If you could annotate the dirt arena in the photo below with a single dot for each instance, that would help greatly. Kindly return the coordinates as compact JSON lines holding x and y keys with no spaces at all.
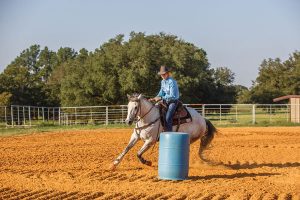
{"x":253,"y":163}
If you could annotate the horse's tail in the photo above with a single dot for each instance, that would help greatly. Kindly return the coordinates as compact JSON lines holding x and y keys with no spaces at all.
{"x":207,"y":138}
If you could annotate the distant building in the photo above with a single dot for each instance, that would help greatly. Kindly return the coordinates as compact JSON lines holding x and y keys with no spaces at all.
{"x":294,"y":102}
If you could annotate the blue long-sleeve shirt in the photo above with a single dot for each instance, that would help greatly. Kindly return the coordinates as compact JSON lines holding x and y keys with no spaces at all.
{"x":169,"y":90}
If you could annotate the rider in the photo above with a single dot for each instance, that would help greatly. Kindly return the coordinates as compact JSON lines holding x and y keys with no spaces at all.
{"x":169,"y":92}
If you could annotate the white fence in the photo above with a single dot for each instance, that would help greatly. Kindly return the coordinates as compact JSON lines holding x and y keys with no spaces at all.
{"x":16,"y":115}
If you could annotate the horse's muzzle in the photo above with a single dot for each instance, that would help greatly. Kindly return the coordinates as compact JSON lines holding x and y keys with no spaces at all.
{"x":128,"y":122}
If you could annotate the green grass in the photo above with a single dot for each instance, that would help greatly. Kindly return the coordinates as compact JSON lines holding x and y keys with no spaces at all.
{"x":245,"y":119}
{"x":257,"y":124}
{"x":46,"y":127}
{"x":53,"y":128}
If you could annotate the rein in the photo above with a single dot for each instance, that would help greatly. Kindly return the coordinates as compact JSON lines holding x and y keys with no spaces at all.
{"x":141,"y":111}
{"x":146,"y":126}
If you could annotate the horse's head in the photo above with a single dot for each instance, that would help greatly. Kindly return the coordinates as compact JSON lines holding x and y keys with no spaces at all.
{"x":134,"y":107}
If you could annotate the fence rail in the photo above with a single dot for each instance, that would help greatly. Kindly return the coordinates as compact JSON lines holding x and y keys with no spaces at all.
{"x":20,"y":116}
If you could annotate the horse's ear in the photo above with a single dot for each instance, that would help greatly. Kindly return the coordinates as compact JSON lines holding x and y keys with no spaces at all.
{"x":140,"y":96}
{"x":128,"y":96}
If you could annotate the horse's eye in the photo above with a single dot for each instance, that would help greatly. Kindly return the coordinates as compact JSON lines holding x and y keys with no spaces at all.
{"x":135,"y":108}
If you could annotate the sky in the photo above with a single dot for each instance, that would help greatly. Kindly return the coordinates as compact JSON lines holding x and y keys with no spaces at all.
{"x":237,"y":34}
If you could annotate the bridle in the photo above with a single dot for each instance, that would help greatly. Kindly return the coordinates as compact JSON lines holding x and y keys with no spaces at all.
{"x":139,"y":110}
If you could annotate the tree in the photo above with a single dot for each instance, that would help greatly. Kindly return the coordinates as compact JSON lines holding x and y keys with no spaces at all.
{"x":29,"y":58}
{"x":62,"y":59}
{"x":47,"y":61}
{"x":5,"y":99}
{"x":17,"y":80}
{"x":225,"y":91}
{"x":275,"y":78}
{"x":242,"y":94}
{"x":292,"y":74}
{"x":26,"y":77}
{"x":65,"y":54}
{"x":74,"y":85}
{"x":223,"y":76}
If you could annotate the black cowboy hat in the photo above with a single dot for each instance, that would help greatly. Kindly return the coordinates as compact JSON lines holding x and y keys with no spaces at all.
{"x":163,"y":70}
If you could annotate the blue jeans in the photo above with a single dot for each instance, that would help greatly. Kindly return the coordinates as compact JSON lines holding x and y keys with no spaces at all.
{"x":169,"y":116}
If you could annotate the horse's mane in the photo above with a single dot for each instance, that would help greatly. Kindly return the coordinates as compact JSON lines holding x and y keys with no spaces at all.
{"x":133,"y":97}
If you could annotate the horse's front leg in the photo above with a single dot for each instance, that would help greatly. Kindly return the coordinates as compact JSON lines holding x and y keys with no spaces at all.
{"x":148,"y":143}
{"x":133,"y":140}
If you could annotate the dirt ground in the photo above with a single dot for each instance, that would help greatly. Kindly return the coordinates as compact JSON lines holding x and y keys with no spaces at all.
{"x":250,"y":163}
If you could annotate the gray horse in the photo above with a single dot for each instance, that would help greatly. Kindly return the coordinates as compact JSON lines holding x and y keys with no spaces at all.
{"x":148,"y":127}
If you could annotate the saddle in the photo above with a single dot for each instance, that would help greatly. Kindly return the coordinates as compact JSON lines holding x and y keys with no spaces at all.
{"x":181,"y":115}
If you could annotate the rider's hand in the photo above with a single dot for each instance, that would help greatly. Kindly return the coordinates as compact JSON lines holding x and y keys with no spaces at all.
{"x":155,"y":99}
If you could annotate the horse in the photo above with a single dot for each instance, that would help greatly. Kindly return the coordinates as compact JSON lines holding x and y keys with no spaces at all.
{"x":148,"y":127}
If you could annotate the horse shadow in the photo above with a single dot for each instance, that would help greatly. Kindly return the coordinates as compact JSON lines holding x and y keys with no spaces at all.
{"x":248,"y":165}
{"x":230,"y":176}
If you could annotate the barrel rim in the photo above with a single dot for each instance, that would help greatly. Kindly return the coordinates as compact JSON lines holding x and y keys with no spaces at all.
{"x":179,"y":133}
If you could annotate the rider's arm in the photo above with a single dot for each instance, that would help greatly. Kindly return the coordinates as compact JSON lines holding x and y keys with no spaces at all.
{"x":161,"y":93}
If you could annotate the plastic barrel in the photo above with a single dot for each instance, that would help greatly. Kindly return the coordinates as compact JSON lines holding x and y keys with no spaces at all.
{"x":173,"y":160}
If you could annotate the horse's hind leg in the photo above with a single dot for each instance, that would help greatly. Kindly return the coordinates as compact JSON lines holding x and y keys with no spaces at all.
{"x":144,"y":148}
{"x":133,"y":140}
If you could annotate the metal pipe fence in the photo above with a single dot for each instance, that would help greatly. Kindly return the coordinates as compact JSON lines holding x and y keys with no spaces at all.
{"x":22,"y":116}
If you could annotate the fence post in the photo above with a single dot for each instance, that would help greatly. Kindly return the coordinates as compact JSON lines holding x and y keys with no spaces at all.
{"x":24,"y":120}
{"x":287,"y":113}
{"x":34,"y":117}
{"x":236,"y":115}
{"x":270,"y":113}
{"x":203,"y":110}
{"x":91,"y":115}
{"x":220,"y":113}
{"x":12,"y":115}
{"x":122,"y":120}
{"x":65,"y":119}
{"x":106,"y":116}
{"x":75,"y":116}
{"x":5,"y":117}
{"x":43,"y":114}
{"x":18,"y":109}
{"x":29,"y":117}
{"x":253,"y":113}
{"x":53,"y":115}
{"x":59,"y":115}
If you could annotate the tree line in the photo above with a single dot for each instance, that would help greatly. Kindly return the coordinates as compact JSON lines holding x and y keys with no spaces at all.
{"x":104,"y":76}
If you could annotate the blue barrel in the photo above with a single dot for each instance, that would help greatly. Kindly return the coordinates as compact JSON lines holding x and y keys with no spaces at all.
{"x":173,"y":159}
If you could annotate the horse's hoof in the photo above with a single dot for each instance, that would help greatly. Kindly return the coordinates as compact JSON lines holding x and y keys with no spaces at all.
{"x":149,"y":163}
{"x":112,"y":167}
